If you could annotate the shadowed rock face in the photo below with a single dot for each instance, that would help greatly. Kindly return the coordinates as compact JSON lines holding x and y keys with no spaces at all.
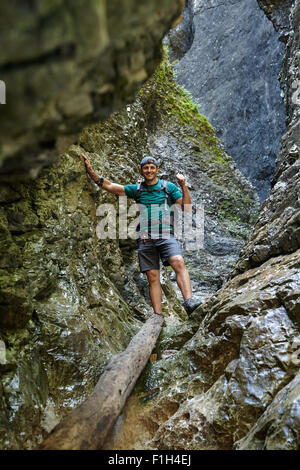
{"x":66,"y":64}
{"x":231,"y":69}
{"x":278,"y":12}
{"x":277,"y":230}
{"x":180,"y":38}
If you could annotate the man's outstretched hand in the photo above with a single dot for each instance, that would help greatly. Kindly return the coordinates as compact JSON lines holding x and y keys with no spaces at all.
{"x":86,"y":161}
{"x":89,"y":170}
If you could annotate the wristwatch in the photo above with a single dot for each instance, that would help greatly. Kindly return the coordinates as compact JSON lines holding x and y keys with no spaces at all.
{"x":100,"y":182}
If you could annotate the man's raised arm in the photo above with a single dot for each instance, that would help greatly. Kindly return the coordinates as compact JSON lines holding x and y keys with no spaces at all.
{"x":185,"y":201}
{"x":114,"y":188}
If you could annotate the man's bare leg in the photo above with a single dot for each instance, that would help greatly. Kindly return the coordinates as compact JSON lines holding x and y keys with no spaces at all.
{"x":184,"y":283}
{"x":182,"y":275}
{"x":155,"y":289}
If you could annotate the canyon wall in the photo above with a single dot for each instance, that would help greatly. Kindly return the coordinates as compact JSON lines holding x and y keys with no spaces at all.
{"x":231,"y":69}
{"x":228,"y":376}
{"x":235,"y":383}
{"x":71,"y":299}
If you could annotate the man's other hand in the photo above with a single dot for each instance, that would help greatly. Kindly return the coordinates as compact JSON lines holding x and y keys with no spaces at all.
{"x":180,"y":179}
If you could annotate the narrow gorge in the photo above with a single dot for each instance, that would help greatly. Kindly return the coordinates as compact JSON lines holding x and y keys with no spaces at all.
{"x":211,"y":90}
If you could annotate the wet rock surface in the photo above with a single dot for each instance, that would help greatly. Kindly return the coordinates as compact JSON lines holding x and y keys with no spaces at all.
{"x":278,"y":11}
{"x":235,"y":383}
{"x":251,"y":358}
{"x":213,"y":390}
{"x":278,"y":427}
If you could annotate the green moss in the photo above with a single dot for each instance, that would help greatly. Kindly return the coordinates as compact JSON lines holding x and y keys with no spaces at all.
{"x":175,"y":102}
{"x":239,"y":231}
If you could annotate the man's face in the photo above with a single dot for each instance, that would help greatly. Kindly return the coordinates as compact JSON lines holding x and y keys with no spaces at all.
{"x":149,"y":172}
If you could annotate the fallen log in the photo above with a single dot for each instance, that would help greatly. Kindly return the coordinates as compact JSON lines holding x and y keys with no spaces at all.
{"x":87,"y":426}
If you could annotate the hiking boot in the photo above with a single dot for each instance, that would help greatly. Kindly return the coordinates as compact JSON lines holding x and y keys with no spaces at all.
{"x":190,"y":305}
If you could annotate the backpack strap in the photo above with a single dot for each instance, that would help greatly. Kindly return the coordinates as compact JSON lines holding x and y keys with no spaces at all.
{"x":168,"y":201}
{"x":139,"y":190}
{"x":164,"y":186}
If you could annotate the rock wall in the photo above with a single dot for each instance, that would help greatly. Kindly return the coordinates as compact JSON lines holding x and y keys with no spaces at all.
{"x":277,"y":229}
{"x":61,"y":314}
{"x":70,"y":300}
{"x":232,"y":70}
{"x":278,"y":11}
{"x":235,"y":383}
{"x":180,"y":38}
{"x":66,"y":64}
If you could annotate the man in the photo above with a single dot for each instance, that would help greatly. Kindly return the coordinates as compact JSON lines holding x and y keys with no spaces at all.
{"x":156,"y":238}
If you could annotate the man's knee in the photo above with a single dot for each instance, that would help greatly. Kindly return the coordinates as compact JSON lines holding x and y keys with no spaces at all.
{"x":177,"y":262}
{"x":153,"y":275}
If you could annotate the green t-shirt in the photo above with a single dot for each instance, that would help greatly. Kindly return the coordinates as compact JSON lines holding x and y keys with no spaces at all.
{"x":153,"y":205}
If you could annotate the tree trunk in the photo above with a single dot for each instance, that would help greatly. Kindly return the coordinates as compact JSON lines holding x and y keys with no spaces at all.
{"x":87,"y":426}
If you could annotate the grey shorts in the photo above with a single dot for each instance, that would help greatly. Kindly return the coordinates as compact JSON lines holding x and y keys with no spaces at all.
{"x":153,"y":249}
